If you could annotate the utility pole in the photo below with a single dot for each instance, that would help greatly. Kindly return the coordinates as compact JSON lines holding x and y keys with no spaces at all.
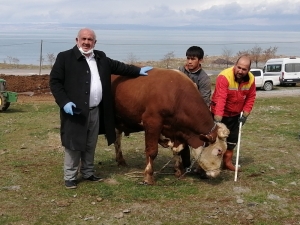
{"x":41,"y":56}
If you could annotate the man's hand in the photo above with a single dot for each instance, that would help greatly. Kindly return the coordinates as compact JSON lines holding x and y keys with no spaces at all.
{"x":145,"y":69}
{"x":68,"y":108}
{"x":218,"y":119}
{"x":242,"y":120}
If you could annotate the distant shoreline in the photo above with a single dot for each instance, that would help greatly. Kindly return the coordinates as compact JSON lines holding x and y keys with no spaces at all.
{"x":26,"y":46}
{"x":30,"y":72}
{"x":208,"y":65}
{"x":27,"y":70}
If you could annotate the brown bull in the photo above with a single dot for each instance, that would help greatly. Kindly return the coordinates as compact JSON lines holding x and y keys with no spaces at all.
{"x":166,"y":102}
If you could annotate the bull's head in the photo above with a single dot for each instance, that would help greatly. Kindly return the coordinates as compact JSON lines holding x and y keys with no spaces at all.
{"x":210,"y":158}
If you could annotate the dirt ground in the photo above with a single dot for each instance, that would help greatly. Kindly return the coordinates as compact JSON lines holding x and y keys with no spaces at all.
{"x":29,"y":88}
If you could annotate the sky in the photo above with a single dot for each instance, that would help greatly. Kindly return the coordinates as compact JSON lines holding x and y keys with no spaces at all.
{"x":161,"y":13}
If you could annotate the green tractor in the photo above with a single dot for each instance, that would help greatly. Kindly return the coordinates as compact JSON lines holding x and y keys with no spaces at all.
{"x":6,"y":97}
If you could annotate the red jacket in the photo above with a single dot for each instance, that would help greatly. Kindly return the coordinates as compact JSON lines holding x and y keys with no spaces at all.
{"x":230,"y":98}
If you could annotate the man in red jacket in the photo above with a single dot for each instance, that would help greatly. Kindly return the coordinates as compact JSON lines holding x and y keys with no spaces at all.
{"x":234,"y":93}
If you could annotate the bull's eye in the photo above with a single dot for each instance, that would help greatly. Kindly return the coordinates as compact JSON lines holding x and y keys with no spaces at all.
{"x":220,"y":151}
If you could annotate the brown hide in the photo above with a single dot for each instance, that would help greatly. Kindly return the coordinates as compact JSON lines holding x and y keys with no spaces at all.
{"x":164,"y":102}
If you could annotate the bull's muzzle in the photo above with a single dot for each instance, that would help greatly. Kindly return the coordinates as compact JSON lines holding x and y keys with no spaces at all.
{"x":213,"y":173}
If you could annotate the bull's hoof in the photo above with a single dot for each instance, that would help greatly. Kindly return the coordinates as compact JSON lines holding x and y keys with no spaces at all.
{"x":145,"y":183}
{"x":178,"y":173}
{"x":148,"y":177}
{"x":122,"y":163}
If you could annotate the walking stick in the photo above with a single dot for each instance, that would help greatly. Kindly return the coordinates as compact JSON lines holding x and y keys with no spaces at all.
{"x":238,"y":149}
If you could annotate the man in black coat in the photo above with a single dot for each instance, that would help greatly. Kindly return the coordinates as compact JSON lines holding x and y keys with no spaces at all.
{"x":80,"y":82}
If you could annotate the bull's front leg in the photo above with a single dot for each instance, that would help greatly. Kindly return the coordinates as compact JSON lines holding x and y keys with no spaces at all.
{"x":119,"y":155}
{"x":151,"y":153}
{"x":152,"y":134}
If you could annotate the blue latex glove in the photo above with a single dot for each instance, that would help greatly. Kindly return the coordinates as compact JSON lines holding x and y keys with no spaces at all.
{"x":145,"y":69}
{"x":68,"y":108}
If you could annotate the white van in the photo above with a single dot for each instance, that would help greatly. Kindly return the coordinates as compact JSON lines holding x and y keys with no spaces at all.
{"x":287,"y":69}
{"x":264,"y":82}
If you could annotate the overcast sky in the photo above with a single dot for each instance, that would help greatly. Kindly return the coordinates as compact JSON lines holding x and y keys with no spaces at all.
{"x":153,"y":12}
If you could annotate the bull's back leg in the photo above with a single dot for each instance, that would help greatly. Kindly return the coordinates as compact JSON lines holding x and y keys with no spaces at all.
{"x":181,"y":153}
{"x":118,"y":150}
{"x":178,"y":168}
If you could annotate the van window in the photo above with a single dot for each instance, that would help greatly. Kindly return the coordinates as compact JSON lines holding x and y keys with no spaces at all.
{"x":256,"y":73}
{"x":273,"y":68}
{"x":292,"y":67}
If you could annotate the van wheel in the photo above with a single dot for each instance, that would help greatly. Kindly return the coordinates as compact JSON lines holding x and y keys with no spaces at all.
{"x":268,"y":86}
{"x":293,"y":84}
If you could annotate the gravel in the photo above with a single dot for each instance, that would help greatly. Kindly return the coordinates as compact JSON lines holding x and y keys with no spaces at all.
{"x":279,"y":92}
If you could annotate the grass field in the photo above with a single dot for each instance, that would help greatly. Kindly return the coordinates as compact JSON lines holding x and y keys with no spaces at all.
{"x":32,"y":189}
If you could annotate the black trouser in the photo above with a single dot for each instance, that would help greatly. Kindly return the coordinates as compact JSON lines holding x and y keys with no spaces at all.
{"x":232,"y":124}
{"x":185,"y":156}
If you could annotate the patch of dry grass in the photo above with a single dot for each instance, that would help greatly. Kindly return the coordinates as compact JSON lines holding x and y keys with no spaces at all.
{"x":32,"y":189}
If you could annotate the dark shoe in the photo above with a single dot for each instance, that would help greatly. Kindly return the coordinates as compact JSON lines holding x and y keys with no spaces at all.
{"x":70,"y":184}
{"x":94,"y":178}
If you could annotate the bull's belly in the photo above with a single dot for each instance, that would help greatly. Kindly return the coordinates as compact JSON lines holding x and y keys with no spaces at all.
{"x":129,"y":125}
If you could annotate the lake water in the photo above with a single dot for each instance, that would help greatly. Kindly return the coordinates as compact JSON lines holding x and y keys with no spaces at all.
{"x":144,"y":45}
